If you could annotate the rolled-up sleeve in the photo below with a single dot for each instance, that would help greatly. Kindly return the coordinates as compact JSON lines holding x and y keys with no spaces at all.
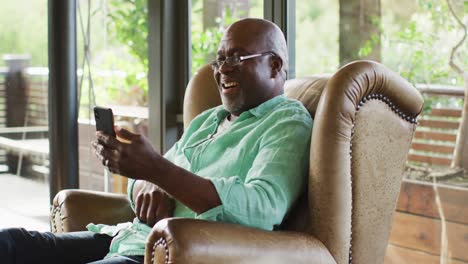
{"x":273,"y":182}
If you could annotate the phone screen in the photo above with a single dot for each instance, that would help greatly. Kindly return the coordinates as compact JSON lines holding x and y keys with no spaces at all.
{"x":104,"y":120}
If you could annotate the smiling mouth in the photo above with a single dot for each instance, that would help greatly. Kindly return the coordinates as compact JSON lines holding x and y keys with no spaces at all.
{"x":230,"y":85}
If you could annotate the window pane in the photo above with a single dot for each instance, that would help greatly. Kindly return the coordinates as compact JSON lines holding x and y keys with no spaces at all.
{"x":209,"y":20}
{"x":418,"y":37}
{"x":112,"y":73}
{"x":24,"y":189}
{"x":316,"y":37}
{"x":417,"y":40}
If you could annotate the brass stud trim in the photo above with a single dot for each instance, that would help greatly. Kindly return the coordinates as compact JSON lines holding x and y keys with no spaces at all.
{"x":386,"y":100}
{"x":161,"y":242}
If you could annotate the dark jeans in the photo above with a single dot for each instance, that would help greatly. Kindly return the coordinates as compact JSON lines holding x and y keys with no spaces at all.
{"x":20,"y":246}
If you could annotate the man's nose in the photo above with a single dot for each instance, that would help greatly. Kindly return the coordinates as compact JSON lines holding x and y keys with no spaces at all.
{"x":225,"y":68}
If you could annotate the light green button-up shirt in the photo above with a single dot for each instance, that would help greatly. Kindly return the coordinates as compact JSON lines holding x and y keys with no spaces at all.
{"x":258,"y":166}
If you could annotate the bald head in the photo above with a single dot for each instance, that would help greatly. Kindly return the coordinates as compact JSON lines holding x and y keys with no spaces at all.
{"x":251,"y":64}
{"x":265,"y":35}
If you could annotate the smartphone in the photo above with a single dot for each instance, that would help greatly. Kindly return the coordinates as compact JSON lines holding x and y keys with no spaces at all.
{"x":104,"y":120}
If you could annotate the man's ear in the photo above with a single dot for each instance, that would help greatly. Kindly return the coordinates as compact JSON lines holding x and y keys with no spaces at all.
{"x":276,"y":65}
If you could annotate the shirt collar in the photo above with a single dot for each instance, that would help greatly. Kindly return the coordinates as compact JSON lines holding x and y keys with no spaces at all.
{"x":267,"y":106}
{"x":257,"y":111}
{"x":221,"y":113}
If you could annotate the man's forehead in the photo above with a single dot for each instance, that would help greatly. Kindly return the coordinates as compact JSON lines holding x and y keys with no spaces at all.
{"x":230,"y":39}
{"x":231,"y":49}
{"x":229,"y":44}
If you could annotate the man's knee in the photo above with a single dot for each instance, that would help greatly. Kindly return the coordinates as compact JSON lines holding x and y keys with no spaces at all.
{"x":8,"y":244}
{"x":18,"y":245}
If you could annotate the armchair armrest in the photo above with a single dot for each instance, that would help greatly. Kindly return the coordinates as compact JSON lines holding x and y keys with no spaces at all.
{"x":180,"y":240}
{"x":72,"y":210}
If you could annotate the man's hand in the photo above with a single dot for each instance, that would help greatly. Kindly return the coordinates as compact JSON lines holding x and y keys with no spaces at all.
{"x":151,"y":203}
{"x":137,"y":159}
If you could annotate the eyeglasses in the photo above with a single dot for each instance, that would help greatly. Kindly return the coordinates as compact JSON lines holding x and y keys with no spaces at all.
{"x":236,"y":60}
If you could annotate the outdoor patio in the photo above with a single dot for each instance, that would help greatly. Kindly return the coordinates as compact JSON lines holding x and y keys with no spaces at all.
{"x":24,"y":203}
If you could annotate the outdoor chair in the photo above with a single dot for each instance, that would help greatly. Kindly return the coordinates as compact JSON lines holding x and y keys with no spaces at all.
{"x":364,"y":119}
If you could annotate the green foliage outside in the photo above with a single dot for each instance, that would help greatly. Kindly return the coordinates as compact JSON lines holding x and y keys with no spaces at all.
{"x":418,"y":45}
{"x":130,"y":20}
{"x":417,"y":37}
{"x":317,"y":27}
{"x":23,"y":30}
{"x":128,"y":23}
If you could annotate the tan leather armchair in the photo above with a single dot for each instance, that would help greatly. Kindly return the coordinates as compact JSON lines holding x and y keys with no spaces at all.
{"x":364,"y":119}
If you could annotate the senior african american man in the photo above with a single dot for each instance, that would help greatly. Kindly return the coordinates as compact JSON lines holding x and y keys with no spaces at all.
{"x":244,"y":162}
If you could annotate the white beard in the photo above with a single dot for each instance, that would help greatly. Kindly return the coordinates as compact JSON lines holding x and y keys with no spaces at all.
{"x":234,"y":106}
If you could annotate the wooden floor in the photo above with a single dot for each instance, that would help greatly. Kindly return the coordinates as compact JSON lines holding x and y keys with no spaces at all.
{"x":24,"y":203}
{"x":423,"y":231}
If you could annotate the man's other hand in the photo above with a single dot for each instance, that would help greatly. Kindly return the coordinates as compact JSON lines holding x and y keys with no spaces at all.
{"x":151,"y":203}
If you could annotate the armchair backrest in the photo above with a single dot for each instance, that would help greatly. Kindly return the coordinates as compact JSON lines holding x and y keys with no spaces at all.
{"x":364,"y":120}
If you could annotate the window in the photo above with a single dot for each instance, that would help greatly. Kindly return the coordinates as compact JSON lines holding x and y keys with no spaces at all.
{"x":24,"y":189}
{"x":209,"y":20}
{"x":316,"y":37}
{"x":111,"y":73}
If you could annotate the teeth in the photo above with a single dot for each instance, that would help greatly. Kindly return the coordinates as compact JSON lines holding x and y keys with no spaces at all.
{"x":230,"y":84}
